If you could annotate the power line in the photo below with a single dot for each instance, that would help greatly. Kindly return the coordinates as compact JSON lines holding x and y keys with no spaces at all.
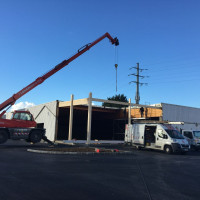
{"x":174,"y":81}
{"x":177,"y":67}
{"x":171,"y":61}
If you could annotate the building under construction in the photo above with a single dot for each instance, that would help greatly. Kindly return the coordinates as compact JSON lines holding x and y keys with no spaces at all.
{"x":80,"y":120}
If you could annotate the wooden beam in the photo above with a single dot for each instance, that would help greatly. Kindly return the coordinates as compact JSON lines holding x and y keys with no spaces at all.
{"x":75,"y":102}
{"x":85,"y":102}
{"x":56,"y":125}
{"x":145,"y":106}
{"x":89,"y":118}
{"x":129,"y":112}
{"x":71,"y":118}
{"x":109,"y":101}
{"x":124,"y":103}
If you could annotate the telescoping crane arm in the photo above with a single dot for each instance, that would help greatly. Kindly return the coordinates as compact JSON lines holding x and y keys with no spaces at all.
{"x":9,"y":102}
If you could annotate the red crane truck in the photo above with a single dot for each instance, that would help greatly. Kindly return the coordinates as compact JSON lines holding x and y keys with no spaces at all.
{"x":22,"y":124}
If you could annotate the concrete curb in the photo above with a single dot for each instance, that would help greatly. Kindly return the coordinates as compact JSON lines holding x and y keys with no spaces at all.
{"x":78,"y":153}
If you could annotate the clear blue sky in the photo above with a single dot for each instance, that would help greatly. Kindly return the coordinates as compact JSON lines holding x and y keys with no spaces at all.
{"x":162,"y":35}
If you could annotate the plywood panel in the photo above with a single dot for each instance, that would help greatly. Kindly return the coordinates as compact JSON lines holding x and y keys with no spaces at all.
{"x":148,"y":112}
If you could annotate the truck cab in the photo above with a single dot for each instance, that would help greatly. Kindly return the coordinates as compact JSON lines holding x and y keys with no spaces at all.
{"x":156,"y":136}
{"x":21,"y":126}
{"x":22,"y":119}
{"x":193,"y":138}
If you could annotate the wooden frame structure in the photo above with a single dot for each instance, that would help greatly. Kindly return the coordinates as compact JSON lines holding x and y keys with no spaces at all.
{"x":88,"y":101}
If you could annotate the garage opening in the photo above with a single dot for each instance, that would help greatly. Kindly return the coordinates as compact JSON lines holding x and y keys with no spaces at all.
{"x":104,"y":123}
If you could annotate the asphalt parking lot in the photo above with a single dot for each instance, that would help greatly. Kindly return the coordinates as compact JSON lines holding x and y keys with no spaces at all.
{"x":141,"y":175}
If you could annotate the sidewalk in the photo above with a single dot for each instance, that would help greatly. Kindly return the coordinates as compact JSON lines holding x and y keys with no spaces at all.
{"x":91,"y":142}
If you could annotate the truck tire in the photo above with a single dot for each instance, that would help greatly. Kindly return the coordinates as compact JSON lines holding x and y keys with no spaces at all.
{"x":3,"y":136}
{"x":168,"y":149}
{"x":193,"y":148}
{"x":196,"y":149}
{"x":35,"y":136}
{"x":138,"y":147}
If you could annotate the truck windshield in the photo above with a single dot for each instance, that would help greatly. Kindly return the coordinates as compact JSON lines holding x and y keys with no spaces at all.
{"x":22,"y":116}
{"x":174,"y":134}
{"x":196,"y":134}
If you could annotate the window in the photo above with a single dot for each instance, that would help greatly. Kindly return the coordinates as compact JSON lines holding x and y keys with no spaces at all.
{"x":188,"y":134}
{"x":16,"y":116}
{"x":160,"y":133}
{"x":23,"y":116}
{"x":174,"y":134}
{"x":196,"y":134}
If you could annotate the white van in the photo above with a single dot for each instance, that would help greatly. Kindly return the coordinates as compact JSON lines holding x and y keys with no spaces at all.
{"x":156,"y":136}
{"x":193,"y":138}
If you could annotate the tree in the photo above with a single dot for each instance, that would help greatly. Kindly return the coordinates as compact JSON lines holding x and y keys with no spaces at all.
{"x":119,"y":97}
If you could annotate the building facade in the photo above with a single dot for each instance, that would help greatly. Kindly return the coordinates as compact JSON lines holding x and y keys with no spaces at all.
{"x":106,"y":123}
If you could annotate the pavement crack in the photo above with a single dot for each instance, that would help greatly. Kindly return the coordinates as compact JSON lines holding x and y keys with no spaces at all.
{"x":143,"y":179}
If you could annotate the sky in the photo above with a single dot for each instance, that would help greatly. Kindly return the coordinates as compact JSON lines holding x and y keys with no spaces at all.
{"x":161,"y":35}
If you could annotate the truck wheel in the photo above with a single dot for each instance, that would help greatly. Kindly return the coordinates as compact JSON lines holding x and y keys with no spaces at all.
{"x":168,"y":149}
{"x":193,"y":148}
{"x":138,"y":147}
{"x":28,"y":140}
{"x":35,"y":136}
{"x":3,"y":136}
{"x":196,"y":149}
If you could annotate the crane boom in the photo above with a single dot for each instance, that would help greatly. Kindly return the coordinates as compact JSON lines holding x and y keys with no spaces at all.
{"x":10,"y":101}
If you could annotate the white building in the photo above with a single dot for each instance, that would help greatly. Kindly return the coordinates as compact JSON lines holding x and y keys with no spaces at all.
{"x":176,"y":113}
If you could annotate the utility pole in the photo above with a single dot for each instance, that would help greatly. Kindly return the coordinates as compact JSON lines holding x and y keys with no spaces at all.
{"x":137,"y":95}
